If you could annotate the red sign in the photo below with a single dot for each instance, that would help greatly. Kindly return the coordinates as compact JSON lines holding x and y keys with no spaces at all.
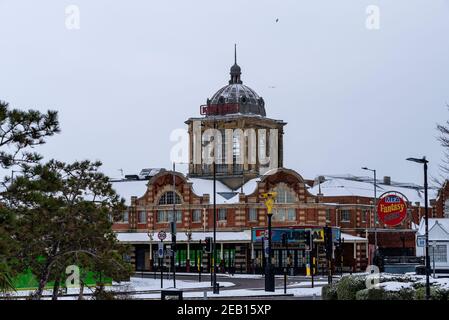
{"x":391,"y":209}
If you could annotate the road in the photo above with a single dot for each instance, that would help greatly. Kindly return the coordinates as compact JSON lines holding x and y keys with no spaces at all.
{"x":242,"y":282}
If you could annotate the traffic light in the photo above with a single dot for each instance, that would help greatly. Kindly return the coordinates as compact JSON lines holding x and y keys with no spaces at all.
{"x":284,"y":239}
{"x":208,"y":245}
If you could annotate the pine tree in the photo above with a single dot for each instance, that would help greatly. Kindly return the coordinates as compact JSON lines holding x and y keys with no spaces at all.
{"x":65,"y":215}
{"x":20,"y":132}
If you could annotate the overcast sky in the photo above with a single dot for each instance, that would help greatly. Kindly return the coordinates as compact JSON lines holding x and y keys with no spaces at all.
{"x":136,"y":70}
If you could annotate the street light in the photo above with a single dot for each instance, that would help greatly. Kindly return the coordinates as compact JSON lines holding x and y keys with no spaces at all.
{"x":188,"y":233}
{"x":150,"y":236}
{"x":375,"y":208}
{"x":424,"y":162}
{"x":269,"y":274}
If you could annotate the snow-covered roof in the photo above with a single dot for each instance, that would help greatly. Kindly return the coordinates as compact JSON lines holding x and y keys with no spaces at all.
{"x":128,"y":188}
{"x":222,"y":236}
{"x":347,"y":185}
{"x":438,"y":228}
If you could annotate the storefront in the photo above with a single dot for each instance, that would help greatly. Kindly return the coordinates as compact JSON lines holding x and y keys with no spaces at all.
{"x":294,"y":253}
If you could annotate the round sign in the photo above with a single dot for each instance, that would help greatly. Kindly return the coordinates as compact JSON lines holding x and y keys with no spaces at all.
{"x":162,"y":235}
{"x":391,"y":209}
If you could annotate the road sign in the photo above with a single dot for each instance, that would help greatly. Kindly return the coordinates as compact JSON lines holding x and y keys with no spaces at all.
{"x":421,"y":241}
{"x":162,"y":235}
{"x":392,"y":209}
{"x":160,"y":250}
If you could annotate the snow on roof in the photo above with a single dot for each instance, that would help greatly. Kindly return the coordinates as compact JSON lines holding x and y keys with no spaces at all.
{"x":223,"y":236}
{"x":129,"y":188}
{"x":436,"y":235}
{"x":348,"y":185}
{"x":225,"y":195}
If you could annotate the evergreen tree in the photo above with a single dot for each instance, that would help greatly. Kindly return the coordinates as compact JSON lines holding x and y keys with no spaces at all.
{"x":20,"y":132}
{"x":65,"y":214}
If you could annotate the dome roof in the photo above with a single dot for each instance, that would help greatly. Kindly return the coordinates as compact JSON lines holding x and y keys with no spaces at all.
{"x":235,"y":97}
{"x":236,"y":93}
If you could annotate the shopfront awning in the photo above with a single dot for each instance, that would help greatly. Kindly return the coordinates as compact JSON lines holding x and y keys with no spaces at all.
{"x":348,"y":238}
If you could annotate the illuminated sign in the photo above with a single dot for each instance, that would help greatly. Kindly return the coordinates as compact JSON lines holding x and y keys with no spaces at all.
{"x":391,"y":209}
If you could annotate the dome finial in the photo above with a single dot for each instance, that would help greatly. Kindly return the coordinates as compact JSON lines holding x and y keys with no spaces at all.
{"x":235,"y":69}
{"x":235,"y":53}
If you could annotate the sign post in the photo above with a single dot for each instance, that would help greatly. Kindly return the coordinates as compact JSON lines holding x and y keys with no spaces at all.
{"x":160,"y":252}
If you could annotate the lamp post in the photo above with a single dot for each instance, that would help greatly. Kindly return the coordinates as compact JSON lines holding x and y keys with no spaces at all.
{"x":150,"y":236}
{"x":424,"y":162}
{"x":189,"y":238}
{"x":214,"y":244}
{"x":269,"y":274}
{"x":375,"y":208}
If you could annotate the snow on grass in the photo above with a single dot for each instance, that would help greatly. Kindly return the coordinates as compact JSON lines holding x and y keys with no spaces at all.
{"x":145,"y":284}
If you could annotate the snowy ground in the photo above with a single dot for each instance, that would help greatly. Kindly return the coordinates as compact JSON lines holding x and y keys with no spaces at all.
{"x":135,"y":284}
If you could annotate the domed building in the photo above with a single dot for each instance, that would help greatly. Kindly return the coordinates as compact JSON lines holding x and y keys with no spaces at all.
{"x":235,"y":142}
{"x":250,"y":143}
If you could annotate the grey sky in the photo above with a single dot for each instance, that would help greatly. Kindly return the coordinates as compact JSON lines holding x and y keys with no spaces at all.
{"x":136,"y":70}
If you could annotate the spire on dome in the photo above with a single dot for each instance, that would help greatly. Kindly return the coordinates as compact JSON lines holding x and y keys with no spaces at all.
{"x":235,"y":69}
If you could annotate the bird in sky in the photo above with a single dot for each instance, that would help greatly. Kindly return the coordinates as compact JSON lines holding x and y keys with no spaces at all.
{"x":277,"y":19}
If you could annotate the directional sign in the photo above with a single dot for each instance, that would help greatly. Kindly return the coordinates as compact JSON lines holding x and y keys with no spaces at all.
{"x":162,"y":235}
{"x":160,"y":250}
{"x":421,"y":241}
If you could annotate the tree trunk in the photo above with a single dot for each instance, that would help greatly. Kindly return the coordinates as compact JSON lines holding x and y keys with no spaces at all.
{"x":42,"y":282}
{"x":81,"y":294}
{"x":56,"y":288}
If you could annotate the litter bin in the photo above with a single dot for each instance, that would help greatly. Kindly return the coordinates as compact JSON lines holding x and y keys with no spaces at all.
{"x":216,"y":288}
{"x":420,"y":270}
{"x":171,"y":294}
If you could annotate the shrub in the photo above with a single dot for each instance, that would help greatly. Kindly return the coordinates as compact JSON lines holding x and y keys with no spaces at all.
{"x":371,"y":294}
{"x":403,"y":294}
{"x":435,"y":293}
{"x":348,"y":286}
{"x":329,"y":292}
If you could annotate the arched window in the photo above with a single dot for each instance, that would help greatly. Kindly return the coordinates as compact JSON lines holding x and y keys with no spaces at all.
{"x":284,"y":194}
{"x":168,"y":198}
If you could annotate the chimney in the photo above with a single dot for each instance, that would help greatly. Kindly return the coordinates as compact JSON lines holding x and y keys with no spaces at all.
{"x":387,"y":180}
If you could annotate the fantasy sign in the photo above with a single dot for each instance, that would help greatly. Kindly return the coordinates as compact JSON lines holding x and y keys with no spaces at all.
{"x":392,"y":208}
